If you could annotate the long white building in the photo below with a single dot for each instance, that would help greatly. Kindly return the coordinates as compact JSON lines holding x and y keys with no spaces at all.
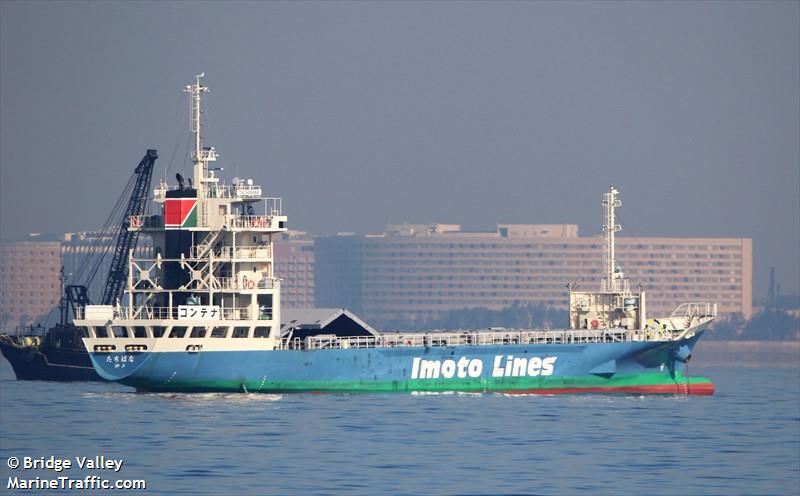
{"x":414,"y":272}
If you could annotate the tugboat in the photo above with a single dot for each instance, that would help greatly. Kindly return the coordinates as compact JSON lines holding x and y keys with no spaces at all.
{"x":204,"y":315}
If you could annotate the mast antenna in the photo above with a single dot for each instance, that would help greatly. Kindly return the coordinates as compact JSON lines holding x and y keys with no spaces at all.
{"x":62,"y":302}
{"x":195,"y":90}
{"x":611,"y":202}
{"x":202,"y":156}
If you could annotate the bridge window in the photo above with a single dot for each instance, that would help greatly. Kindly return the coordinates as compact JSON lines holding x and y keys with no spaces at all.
{"x":219,"y":332}
{"x":139,"y":332}
{"x":158,"y":331}
{"x":101,"y":332}
{"x":119,"y":331}
{"x":240,"y":332}
{"x":264,"y":307}
{"x":261,"y":332}
{"x":177,"y":332}
{"x":198,"y":332}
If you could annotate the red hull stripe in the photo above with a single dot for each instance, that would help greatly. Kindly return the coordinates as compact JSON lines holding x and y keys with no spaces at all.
{"x":701,"y":389}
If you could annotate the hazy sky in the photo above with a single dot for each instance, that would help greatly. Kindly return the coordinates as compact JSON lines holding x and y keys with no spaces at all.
{"x":361,"y":114}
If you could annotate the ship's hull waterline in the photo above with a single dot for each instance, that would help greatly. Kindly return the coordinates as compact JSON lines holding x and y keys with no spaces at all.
{"x":626,"y":368}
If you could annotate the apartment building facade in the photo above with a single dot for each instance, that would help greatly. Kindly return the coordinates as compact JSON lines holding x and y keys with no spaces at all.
{"x":29,"y":281}
{"x":415,"y":272}
{"x":294,"y":264}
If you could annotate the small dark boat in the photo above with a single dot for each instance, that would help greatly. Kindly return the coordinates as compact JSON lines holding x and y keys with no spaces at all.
{"x":58,"y":355}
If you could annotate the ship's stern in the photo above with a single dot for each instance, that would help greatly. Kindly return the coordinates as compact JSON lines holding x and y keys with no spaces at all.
{"x":115,"y":361}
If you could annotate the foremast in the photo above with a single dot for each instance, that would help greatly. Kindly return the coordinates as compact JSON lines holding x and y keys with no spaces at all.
{"x":613,"y":274}
{"x":614,"y":306}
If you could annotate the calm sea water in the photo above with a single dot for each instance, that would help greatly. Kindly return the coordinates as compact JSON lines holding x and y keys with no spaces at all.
{"x":743,"y":440}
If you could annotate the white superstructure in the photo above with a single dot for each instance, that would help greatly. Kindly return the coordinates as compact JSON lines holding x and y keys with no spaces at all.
{"x":212,"y":272}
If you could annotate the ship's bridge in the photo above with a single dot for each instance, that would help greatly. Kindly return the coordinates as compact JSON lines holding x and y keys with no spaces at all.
{"x":236,"y":207}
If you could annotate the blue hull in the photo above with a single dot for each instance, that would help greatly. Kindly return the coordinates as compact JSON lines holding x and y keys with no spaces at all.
{"x":597,"y":367}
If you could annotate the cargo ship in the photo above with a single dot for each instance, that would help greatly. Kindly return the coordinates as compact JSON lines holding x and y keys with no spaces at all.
{"x":203,"y":314}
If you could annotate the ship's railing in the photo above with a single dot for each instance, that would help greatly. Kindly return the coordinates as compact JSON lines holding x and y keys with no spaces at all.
{"x":238,"y":191}
{"x":22,"y":339}
{"x":207,"y":155}
{"x":272,"y":206}
{"x":160,"y":191}
{"x":29,"y":331}
{"x":241,"y":191}
{"x":266,"y":283}
{"x":242,"y":313}
{"x":248,"y":221}
{"x":689,"y":310}
{"x":136,"y":222}
{"x":228,"y":252}
{"x":166,"y":313}
{"x":467,"y":338}
{"x":243,"y":283}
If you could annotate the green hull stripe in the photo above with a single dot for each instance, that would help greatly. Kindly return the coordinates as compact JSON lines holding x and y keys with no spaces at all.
{"x":466,"y":385}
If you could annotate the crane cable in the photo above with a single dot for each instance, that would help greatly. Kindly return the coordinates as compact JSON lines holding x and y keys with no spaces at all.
{"x":100,"y":248}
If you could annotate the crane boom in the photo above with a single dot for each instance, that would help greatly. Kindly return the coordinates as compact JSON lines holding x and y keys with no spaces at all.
{"x":127,"y":238}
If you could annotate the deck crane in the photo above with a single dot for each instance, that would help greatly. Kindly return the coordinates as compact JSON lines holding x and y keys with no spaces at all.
{"x":59,"y":354}
{"x":126,"y":241}
{"x":77,"y":294}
